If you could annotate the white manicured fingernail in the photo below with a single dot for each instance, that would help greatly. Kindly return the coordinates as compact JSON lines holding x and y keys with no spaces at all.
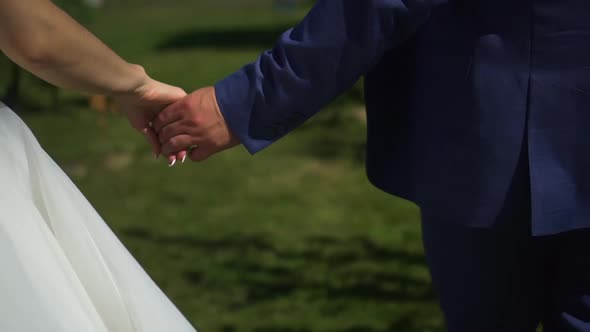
{"x":172,"y":163}
{"x":183,"y":159}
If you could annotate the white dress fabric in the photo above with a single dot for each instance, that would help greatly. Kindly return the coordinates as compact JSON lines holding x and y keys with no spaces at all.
{"x":61,"y":268}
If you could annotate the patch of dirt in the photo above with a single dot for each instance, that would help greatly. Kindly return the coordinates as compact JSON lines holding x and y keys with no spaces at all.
{"x":78,"y":170}
{"x":118,"y":161}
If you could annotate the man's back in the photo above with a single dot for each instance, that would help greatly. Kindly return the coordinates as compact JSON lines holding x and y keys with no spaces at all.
{"x":481,"y":82}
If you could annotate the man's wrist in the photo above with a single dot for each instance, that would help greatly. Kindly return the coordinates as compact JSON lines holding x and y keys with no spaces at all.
{"x":233,"y":97}
{"x":233,"y":140}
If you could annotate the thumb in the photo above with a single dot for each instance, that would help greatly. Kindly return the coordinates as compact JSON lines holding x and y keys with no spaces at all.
{"x":167,"y":94}
{"x":161,"y":96}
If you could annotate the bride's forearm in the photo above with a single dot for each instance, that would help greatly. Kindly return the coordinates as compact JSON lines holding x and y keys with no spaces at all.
{"x":46,"y":41}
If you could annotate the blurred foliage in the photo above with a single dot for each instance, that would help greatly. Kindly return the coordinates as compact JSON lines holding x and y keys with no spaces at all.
{"x":77,"y":9}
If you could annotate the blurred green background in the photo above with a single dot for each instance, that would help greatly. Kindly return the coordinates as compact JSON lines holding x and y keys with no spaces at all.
{"x":294,"y":239}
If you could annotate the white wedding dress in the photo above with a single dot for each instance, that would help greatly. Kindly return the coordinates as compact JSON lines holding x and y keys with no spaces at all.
{"x":61,"y":268}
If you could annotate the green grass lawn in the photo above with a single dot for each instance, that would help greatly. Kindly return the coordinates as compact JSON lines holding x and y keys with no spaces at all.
{"x":292,"y":239}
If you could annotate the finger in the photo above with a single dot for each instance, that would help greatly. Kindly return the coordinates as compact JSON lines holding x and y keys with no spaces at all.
{"x":150,"y":115}
{"x":168,"y":115}
{"x":182,"y":156}
{"x":171,"y":160}
{"x":179,"y":157}
{"x":171,"y":130}
{"x":152,"y":138}
{"x":177,"y":144}
{"x":200,"y":153}
{"x":168,"y":92}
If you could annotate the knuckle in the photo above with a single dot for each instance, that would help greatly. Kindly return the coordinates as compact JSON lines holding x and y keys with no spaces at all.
{"x":164,"y":133}
{"x":158,"y":123}
{"x":160,"y":117}
{"x":186,"y":104}
{"x":165,"y":115}
{"x":191,"y":121}
{"x":175,"y":142}
{"x":197,"y":118}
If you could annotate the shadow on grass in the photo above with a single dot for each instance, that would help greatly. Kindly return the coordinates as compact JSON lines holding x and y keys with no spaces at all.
{"x":256,"y":38}
{"x":347,"y":271}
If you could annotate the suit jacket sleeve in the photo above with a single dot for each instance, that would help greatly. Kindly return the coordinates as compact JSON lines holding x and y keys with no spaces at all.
{"x":313,"y":63}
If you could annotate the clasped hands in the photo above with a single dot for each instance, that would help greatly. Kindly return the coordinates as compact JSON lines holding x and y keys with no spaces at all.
{"x":178,"y":125}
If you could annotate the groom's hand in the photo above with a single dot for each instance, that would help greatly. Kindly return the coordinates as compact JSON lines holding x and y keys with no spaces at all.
{"x":142,"y":105}
{"x":196,"y":123}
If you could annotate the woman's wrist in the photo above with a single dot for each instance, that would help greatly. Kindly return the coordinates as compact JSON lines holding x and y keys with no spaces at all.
{"x":136,"y":79}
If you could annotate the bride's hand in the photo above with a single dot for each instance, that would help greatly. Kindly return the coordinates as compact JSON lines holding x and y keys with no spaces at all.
{"x":143,"y":104}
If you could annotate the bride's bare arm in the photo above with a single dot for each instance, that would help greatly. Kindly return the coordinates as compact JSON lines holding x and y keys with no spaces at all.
{"x":43,"y":39}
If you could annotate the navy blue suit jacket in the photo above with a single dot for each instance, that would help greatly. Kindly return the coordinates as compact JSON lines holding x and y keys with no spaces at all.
{"x":454,"y":89}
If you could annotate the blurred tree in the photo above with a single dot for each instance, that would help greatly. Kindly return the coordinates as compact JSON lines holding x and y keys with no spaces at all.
{"x":285,"y":5}
{"x":82,"y":11}
{"x":94,"y":3}
{"x":12,"y":93}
